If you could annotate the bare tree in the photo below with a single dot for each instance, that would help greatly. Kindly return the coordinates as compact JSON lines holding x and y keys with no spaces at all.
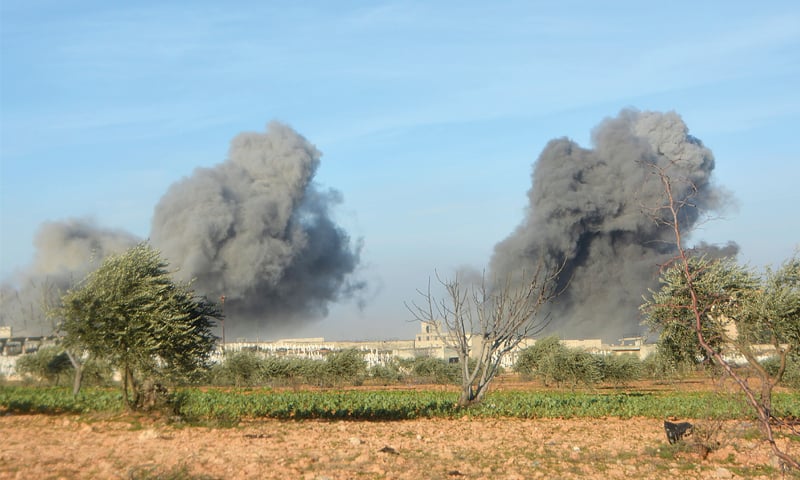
{"x":701,"y":310}
{"x":483,"y":323}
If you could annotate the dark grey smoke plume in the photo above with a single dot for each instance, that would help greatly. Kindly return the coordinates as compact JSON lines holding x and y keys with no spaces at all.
{"x":65,"y":252}
{"x":591,"y":209}
{"x":256,"y":229}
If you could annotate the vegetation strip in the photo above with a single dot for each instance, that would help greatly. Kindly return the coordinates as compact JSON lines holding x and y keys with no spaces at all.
{"x":228,"y":405}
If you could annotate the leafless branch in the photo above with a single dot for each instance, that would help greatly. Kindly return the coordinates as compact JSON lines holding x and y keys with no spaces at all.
{"x":483,"y":323}
{"x":669,"y":214}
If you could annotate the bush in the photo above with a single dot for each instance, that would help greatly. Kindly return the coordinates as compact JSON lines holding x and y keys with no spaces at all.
{"x":276,"y":369}
{"x":434,"y":370}
{"x":387,"y":374}
{"x":552,"y":362}
{"x":345,"y":367}
{"x":97,"y":372}
{"x":620,"y":369}
{"x":536,"y":360}
{"x":239,"y":369}
{"x":657,"y":365}
{"x":249,"y":369}
{"x":575,"y":367}
{"x":48,"y":364}
{"x":791,"y":376}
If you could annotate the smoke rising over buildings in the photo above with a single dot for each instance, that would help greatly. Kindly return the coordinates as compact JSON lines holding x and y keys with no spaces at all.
{"x":592,"y":210}
{"x":255,"y":228}
{"x":65,"y":252}
{"x":258,"y":230}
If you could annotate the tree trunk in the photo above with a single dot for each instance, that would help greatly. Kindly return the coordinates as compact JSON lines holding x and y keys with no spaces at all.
{"x":766,"y":396}
{"x":467,"y":397}
{"x":76,"y":381}
{"x":127,"y":384}
{"x":136,"y":391}
{"x":480,"y":393}
{"x":78,"y":377}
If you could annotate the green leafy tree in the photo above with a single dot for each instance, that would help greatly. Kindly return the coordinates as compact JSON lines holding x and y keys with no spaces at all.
{"x":240,"y":369}
{"x":791,"y":369}
{"x":738,"y":310}
{"x":771,"y":314}
{"x":346,"y":367}
{"x":48,"y":364}
{"x":552,"y":362}
{"x":620,"y":369}
{"x":540,"y":360}
{"x":766,"y":311}
{"x":436,"y":370}
{"x":387,"y":374}
{"x":131,"y":313}
{"x":722,"y":288}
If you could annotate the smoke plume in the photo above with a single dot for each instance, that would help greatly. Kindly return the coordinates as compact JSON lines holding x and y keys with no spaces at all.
{"x":65,"y":252}
{"x":594,"y":210}
{"x":258,"y":230}
{"x":255,"y":228}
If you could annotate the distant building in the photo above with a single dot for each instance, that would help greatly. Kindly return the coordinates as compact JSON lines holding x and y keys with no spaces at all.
{"x":428,"y":342}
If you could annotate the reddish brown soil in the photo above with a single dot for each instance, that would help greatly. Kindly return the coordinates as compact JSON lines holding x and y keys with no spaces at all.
{"x":55,"y":447}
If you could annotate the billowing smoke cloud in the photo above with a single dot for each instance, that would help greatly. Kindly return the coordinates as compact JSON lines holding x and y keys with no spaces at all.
{"x":592,"y":210}
{"x":65,"y":252}
{"x":254,"y":228}
{"x":257,"y":230}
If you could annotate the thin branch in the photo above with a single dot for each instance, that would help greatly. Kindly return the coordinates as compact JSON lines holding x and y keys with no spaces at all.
{"x":673,"y":207}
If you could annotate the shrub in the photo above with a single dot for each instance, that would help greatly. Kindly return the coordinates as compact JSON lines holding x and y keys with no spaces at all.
{"x":48,"y":364}
{"x":536,"y":360}
{"x":276,"y":369}
{"x":307,"y":371}
{"x":620,"y":369}
{"x":248,"y":369}
{"x":387,"y":374}
{"x":552,"y":362}
{"x":575,"y":367}
{"x":435,"y":370}
{"x":240,"y":369}
{"x":657,"y":365}
{"x":791,"y":376}
{"x":345,"y":367}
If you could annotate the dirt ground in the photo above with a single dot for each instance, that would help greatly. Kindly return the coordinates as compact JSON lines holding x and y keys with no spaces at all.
{"x":69,"y":447}
{"x":143,"y":447}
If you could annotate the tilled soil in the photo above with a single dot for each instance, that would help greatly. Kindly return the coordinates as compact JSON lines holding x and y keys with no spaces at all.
{"x":69,"y":447}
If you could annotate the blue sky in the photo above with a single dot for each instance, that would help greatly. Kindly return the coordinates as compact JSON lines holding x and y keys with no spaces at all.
{"x":429,"y":114}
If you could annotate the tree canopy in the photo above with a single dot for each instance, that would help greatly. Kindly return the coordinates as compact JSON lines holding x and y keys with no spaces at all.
{"x":131,"y":313}
{"x":722,"y":288}
{"x":740,"y":308}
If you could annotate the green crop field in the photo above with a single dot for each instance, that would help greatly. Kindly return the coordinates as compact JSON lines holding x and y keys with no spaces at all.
{"x":217,"y":404}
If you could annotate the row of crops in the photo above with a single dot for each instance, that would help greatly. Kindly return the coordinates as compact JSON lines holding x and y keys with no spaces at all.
{"x":230,"y":405}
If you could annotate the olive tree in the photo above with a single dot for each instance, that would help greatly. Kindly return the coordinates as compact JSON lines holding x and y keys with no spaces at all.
{"x":131,"y":313}
{"x":707,"y":297}
{"x":554,"y":362}
{"x":47,"y":364}
{"x":483,"y":323}
{"x":722,"y":288}
{"x":772,"y":315}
